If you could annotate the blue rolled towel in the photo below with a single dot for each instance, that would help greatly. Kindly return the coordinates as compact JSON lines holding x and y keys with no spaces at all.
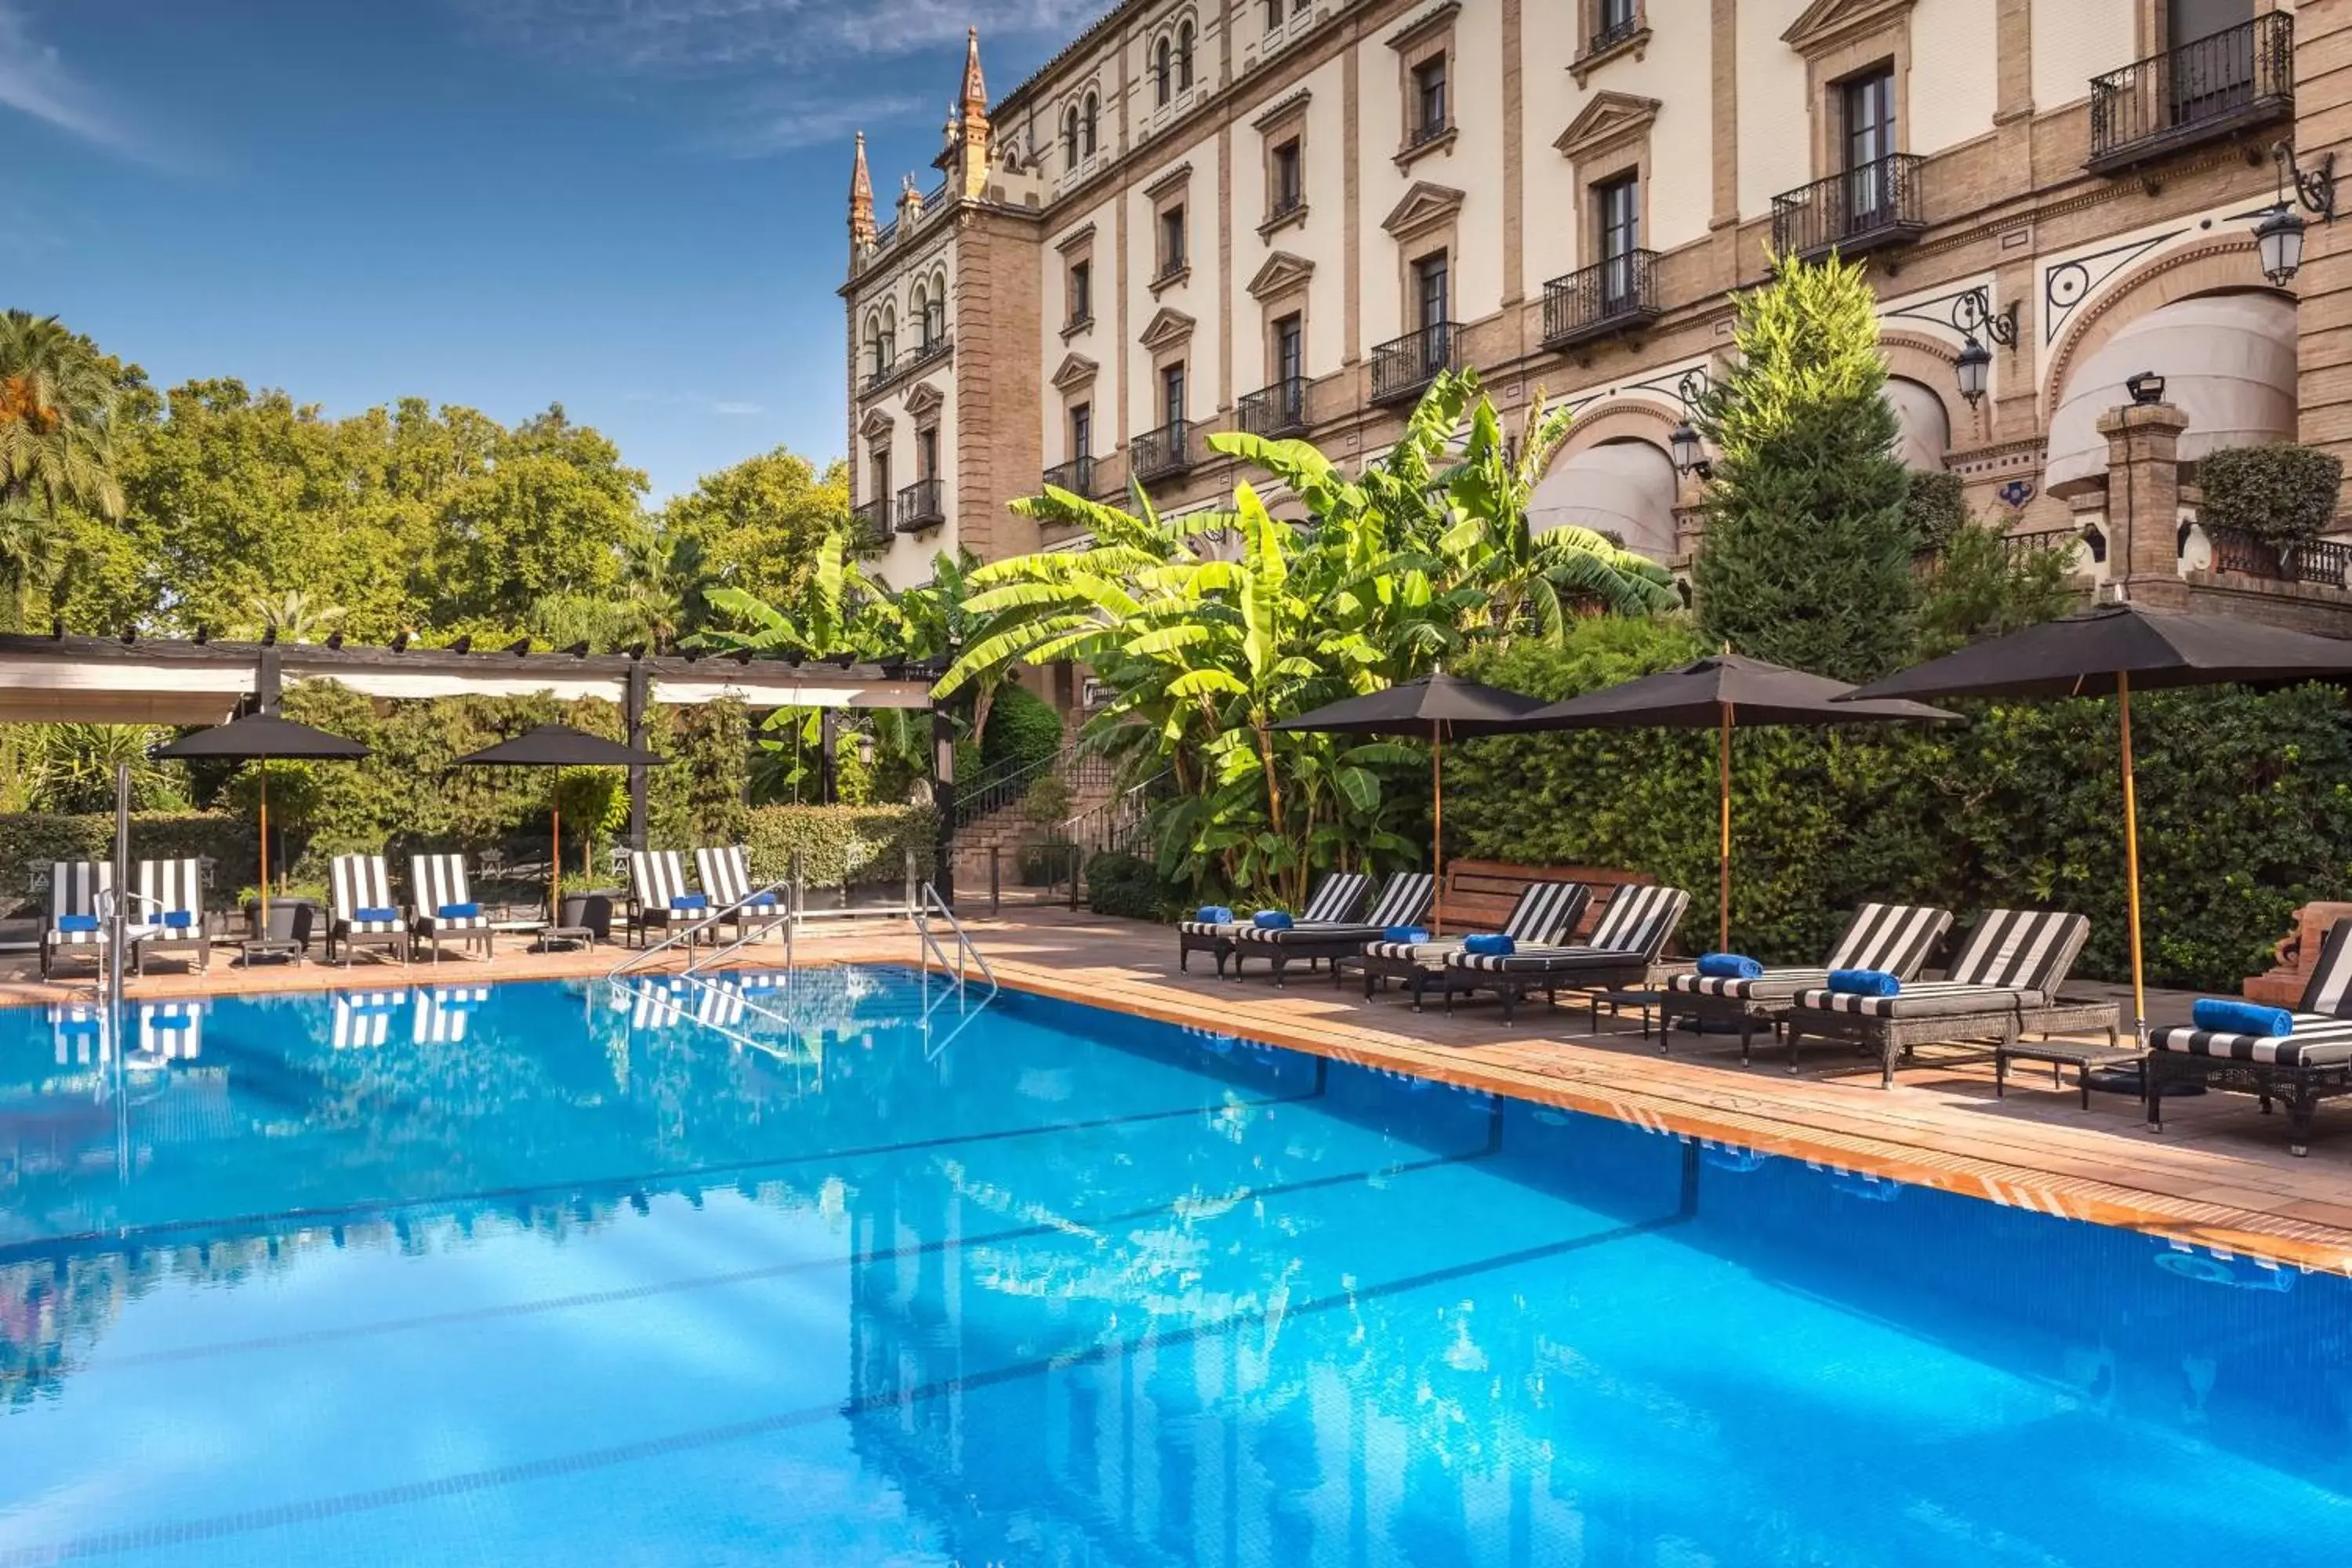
{"x":1490,"y":944}
{"x":179,"y":920}
{"x":1414,"y":934}
{"x":76,"y":922}
{"x":761,"y":901}
{"x":690,"y":902}
{"x":1271,"y":919}
{"x":1728,"y":967}
{"x":1214,"y":915}
{"x":457,"y":911}
{"x":374,"y":913}
{"x":2231,"y":1016}
{"x":1865,"y":982}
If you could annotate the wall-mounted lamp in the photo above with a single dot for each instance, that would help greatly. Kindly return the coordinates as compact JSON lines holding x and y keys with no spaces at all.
{"x":2278,"y":237}
{"x":1689,"y":449}
{"x":1972,"y":313}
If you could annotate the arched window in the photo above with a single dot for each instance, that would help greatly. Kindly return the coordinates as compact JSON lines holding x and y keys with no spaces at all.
{"x":935,"y":313}
{"x":1273,"y":15}
{"x":920,"y":303}
{"x":886,"y":347}
{"x":1163,"y":70}
{"x":1184,"y":57}
{"x":1093,"y":115}
{"x":1070,"y":137}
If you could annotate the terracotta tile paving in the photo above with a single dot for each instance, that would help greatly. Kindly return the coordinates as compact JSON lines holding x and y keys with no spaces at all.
{"x":2219,"y":1175}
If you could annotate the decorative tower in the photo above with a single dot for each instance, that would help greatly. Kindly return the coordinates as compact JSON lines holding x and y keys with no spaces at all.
{"x":969,"y":174}
{"x":862,"y":233}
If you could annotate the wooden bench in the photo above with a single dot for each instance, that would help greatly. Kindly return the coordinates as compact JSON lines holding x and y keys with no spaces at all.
{"x":1479,"y":893}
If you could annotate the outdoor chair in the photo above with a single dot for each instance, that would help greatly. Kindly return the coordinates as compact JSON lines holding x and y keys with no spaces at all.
{"x":1404,"y":901}
{"x":359,"y":910}
{"x":726,"y":874}
{"x":1623,"y":951}
{"x":2004,"y":982}
{"x":1543,"y":916}
{"x":1895,"y":939}
{"x":75,"y":923}
{"x":1336,"y":898}
{"x":167,"y":914}
{"x":446,"y":910}
{"x":658,"y":894}
{"x":2310,"y":1063}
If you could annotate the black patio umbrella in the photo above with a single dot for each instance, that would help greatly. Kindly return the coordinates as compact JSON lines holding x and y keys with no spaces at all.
{"x":265,"y":738}
{"x":557,"y":746}
{"x":1715,"y":693}
{"x":1435,"y":708}
{"x":2109,"y":650}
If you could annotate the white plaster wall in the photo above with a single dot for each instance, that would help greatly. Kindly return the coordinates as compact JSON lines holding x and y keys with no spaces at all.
{"x":1379,"y":122}
{"x":908,"y":559}
{"x":2074,"y":40}
{"x":1197,"y":296}
{"x":1775,"y":121}
{"x":1955,"y":85}
{"x":1098,"y":342}
{"x":1322,"y":239}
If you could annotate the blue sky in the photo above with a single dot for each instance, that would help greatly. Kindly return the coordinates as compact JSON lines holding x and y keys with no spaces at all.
{"x":633,"y":208}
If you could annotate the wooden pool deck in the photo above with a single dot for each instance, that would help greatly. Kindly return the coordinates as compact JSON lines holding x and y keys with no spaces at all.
{"x":2220,"y":1177}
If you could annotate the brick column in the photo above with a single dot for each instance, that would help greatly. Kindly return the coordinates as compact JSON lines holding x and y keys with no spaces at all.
{"x":2323,"y":124}
{"x":2144,"y":502}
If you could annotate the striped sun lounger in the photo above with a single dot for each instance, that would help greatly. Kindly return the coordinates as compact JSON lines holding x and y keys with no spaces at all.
{"x":1893,"y":938}
{"x":74,"y":925}
{"x":168,"y":914}
{"x":1544,"y":915}
{"x":1404,"y":901}
{"x":2004,"y":982}
{"x":726,"y":874}
{"x":442,"y":898}
{"x":1623,"y":950}
{"x":361,"y":914}
{"x":2310,"y":1063}
{"x":658,"y":893}
{"x":1337,"y":898}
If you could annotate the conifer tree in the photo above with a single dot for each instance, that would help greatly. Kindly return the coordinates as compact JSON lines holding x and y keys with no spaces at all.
{"x":1807,"y":558}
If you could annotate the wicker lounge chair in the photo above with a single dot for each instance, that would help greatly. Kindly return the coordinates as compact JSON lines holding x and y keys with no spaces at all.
{"x":1404,"y":901}
{"x":2312,"y":1063}
{"x":2003,"y":983}
{"x":1336,"y":898}
{"x":74,"y":924}
{"x":168,"y":914}
{"x":1623,"y":950}
{"x":658,"y":894}
{"x":361,"y":914}
{"x":726,"y":874}
{"x":444,"y":900}
{"x":1545,"y":916}
{"x":1894,"y":938}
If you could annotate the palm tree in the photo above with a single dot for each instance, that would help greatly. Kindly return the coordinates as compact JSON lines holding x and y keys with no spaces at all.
{"x":57,"y":417}
{"x":295,"y":616}
{"x":29,"y":554}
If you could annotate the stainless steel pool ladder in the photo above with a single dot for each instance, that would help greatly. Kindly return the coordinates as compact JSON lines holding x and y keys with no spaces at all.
{"x":929,"y":909}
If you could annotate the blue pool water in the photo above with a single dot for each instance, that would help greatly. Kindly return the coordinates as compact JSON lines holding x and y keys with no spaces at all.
{"x":537,"y":1274}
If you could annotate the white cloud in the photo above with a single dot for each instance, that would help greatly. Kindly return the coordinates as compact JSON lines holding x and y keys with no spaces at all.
{"x":35,"y":81}
{"x":784,"y":73}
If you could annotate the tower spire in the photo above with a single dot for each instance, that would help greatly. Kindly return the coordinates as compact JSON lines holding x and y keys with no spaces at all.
{"x":862,"y":232}
{"x":975,"y":89}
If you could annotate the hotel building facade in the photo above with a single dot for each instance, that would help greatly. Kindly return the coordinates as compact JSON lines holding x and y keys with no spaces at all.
{"x":1287,"y":216}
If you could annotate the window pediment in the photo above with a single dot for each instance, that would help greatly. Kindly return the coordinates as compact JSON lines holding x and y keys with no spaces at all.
{"x":1414,"y":31}
{"x":1424,"y":206}
{"x":1076,"y":240}
{"x":925,"y":400}
{"x":1167,"y":327}
{"x":1610,"y":120}
{"x":1281,"y":273}
{"x":877,"y":425}
{"x":1167,"y":184}
{"x":1076,"y":373}
{"x":1826,"y":23}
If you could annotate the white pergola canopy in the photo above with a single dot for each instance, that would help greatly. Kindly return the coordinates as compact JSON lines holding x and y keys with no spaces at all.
{"x":2227,"y":363}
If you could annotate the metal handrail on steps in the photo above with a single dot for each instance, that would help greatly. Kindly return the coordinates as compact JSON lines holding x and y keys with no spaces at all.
{"x":932,"y":906}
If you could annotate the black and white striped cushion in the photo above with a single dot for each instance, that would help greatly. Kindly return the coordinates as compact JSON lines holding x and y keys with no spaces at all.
{"x":726,"y":875}
{"x":1404,"y":901}
{"x":2322,"y":1034}
{"x":1926,"y":999}
{"x":360,"y":882}
{"x":1207,"y":928}
{"x":1634,"y":929}
{"x":440,"y":881}
{"x":2013,"y":960}
{"x":658,"y":876}
{"x":169,"y":887}
{"x":74,"y":888}
{"x":1336,"y":900}
{"x":1545,"y":912}
{"x":1895,"y":938}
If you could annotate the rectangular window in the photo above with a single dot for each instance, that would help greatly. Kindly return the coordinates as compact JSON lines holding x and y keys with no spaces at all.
{"x":1868,"y":102}
{"x":1289,"y":183}
{"x":1171,"y":241}
{"x":1617,"y":209}
{"x":1430,"y":292}
{"x":1290,"y":348}
{"x":1171,"y":394}
{"x":1614,"y":19}
{"x":1082,"y":430}
{"x":881,"y":466}
{"x":927,"y":450}
{"x":1429,"y":97}
{"x":1082,"y":291}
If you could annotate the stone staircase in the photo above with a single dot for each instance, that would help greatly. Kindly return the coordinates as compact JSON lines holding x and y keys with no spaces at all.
{"x":1000,"y":821}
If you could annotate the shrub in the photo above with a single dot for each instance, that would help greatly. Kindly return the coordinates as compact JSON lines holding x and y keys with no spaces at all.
{"x":2282,"y":492}
{"x":1023,"y":731}
{"x":1936,"y":507}
{"x":1123,"y":884}
{"x":29,"y":841}
{"x":1983,"y":588}
{"x":840,"y":845}
{"x":1048,"y":802}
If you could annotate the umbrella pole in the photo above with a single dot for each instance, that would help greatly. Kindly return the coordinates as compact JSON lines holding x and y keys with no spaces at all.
{"x":2131,"y":862}
{"x":555,"y":854}
{"x":265,"y":850}
{"x":1437,"y":829}
{"x":1723,"y":887}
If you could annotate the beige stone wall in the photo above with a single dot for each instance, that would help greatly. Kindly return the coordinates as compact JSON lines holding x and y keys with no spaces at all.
{"x":1775,"y":126}
{"x":2074,"y":40}
{"x":1953,"y":91}
{"x":2324,"y":125}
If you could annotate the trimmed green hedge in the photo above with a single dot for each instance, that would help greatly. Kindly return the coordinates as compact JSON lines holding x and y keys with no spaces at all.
{"x":2245,"y":813}
{"x":29,"y":841}
{"x":841,"y":844}
{"x":1120,"y":884}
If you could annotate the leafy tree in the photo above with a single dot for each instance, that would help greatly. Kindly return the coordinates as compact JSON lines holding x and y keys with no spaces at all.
{"x":294,"y":615}
{"x":549,"y":514}
{"x":59,"y":398}
{"x":1937,"y":506}
{"x":756,"y":527}
{"x":1981,"y":588}
{"x":1807,"y":560}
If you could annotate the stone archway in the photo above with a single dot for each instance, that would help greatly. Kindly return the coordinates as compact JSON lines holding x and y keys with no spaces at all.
{"x":2217,"y":264}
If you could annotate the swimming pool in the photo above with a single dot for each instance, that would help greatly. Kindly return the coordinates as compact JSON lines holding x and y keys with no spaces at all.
{"x":538,"y":1274}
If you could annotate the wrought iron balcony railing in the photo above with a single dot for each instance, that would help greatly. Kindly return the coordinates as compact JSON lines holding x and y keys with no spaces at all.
{"x":1428,"y":130}
{"x":922,"y":505}
{"x":1277,"y":410}
{"x":1402,"y":366}
{"x":1157,"y":454}
{"x":1613,"y":295}
{"x":870,"y":526}
{"x":1870,"y":206}
{"x":2204,"y":91}
{"x":924,"y":352}
{"x":2320,"y":561}
{"x":1076,"y":476}
{"x":1607,"y":33}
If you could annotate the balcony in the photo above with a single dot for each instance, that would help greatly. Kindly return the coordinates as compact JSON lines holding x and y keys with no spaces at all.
{"x":2325,"y":561}
{"x":1867,"y":207}
{"x":1403,"y":366}
{"x":1076,"y":476}
{"x":1274,"y":411}
{"x":1607,"y":33}
{"x":2207,"y":90}
{"x":929,"y":349}
{"x":1619,"y":295}
{"x":881,"y":374}
{"x":922,"y":506}
{"x":869,"y":527}
{"x":1428,"y":130}
{"x":1158,"y":454}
